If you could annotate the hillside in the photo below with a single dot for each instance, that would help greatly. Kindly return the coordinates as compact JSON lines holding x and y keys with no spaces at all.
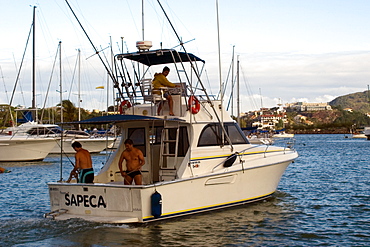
{"x":357,"y":101}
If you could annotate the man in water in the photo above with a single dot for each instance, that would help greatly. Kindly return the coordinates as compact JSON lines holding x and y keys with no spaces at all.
{"x":83,"y":165}
{"x":3,"y":170}
{"x":134,"y":161}
{"x":159,"y":81}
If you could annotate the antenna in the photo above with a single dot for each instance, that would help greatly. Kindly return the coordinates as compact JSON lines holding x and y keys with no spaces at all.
{"x":142,"y":17}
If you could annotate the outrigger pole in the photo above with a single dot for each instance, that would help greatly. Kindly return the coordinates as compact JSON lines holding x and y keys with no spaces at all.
{"x":197,"y":75}
{"x":116,"y":84}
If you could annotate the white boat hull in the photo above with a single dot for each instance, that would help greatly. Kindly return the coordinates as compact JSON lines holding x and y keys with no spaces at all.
{"x":118,"y":203}
{"x":284,"y":135}
{"x":359,"y":136}
{"x":93,"y":145}
{"x":260,"y":140}
{"x":24,"y":149}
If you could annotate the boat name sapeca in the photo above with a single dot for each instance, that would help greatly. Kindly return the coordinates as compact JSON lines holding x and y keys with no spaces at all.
{"x":85,"y":200}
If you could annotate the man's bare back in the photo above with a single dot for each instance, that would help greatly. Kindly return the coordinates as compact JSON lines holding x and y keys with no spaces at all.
{"x":83,"y":159}
{"x":83,"y":163}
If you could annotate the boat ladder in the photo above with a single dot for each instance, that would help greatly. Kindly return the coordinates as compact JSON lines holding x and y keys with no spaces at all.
{"x":169,"y":150}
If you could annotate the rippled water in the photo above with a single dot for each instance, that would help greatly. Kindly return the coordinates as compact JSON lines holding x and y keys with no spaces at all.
{"x":323,"y":199}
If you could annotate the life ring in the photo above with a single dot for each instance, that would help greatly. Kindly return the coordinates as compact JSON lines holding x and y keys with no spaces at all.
{"x":194,"y":104}
{"x":125,"y":104}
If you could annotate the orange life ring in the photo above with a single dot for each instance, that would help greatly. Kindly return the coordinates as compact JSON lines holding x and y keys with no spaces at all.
{"x":194,"y":104}
{"x":125,"y":104}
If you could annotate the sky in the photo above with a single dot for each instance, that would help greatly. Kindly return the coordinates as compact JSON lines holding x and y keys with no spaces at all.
{"x":289,"y":51}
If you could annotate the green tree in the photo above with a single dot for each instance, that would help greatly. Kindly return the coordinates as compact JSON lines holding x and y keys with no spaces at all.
{"x":70,"y":112}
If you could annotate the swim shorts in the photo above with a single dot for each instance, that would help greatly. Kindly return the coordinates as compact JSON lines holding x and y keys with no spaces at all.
{"x":86,"y":175}
{"x":132,"y":174}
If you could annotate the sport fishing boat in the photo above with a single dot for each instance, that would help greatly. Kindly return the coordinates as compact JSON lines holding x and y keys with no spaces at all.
{"x":195,"y":161}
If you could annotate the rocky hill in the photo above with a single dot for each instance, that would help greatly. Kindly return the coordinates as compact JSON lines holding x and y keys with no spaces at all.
{"x":357,"y":101}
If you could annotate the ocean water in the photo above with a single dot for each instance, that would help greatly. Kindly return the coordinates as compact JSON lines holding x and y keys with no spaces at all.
{"x":323,"y":199}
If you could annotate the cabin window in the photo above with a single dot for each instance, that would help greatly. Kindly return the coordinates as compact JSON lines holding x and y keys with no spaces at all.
{"x":44,"y":131}
{"x":137,"y":135}
{"x":212,"y":135}
{"x":235,"y":133}
{"x":158,"y":135}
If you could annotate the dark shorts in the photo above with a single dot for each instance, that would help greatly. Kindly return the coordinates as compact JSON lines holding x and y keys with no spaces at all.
{"x":86,"y":175}
{"x":132,"y":174}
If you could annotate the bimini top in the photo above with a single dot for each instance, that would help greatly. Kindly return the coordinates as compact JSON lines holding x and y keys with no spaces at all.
{"x":156,"y":57}
{"x":118,"y":118}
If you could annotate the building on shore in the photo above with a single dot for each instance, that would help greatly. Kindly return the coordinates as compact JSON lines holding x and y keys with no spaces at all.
{"x":304,"y":106}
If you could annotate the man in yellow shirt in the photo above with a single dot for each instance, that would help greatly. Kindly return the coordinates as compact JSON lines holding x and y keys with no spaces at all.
{"x":159,"y":81}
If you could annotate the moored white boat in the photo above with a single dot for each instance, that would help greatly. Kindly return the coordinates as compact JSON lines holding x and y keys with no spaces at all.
{"x":254,"y":139}
{"x":283,"y":135}
{"x":93,"y":145}
{"x":36,"y":130}
{"x":359,"y":135}
{"x":23,"y":148}
{"x":367,"y":132}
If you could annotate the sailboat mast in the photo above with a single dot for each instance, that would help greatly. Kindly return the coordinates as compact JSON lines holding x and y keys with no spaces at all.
{"x":79,"y":88}
{"x":60,"y":81}
{"x":34,"y":62}
{"x":232,"y":82}
{"x":238,"y":91}
{"x":61,"y":108}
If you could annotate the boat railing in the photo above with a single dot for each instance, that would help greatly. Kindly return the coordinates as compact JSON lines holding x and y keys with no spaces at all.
{"x":289,"y":146}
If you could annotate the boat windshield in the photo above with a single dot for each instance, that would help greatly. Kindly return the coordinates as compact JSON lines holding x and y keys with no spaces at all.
{"x":44,"y":131}
{"x":211,"y":135}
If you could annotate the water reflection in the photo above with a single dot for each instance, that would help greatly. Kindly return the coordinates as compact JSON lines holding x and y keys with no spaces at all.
{"x":231,"y":226}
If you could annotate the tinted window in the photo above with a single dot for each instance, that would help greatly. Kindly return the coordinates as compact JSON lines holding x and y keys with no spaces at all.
{"x":211,"y":135}
{"x":138,"y":137}
{"x":235,"y":134}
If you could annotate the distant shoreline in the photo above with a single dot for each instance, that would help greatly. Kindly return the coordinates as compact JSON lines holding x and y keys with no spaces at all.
{"x":320,"y":131}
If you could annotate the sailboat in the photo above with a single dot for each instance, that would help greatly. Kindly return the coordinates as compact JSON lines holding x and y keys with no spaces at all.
{"x":39,"y":130}
{"x":26,"y":147}
{"x":91,"y":143}
{"x":194,"y":161}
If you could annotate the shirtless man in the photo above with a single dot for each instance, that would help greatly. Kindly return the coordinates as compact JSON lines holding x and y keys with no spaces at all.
{"x":83,"y":165}
{"x":134,"y":161}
